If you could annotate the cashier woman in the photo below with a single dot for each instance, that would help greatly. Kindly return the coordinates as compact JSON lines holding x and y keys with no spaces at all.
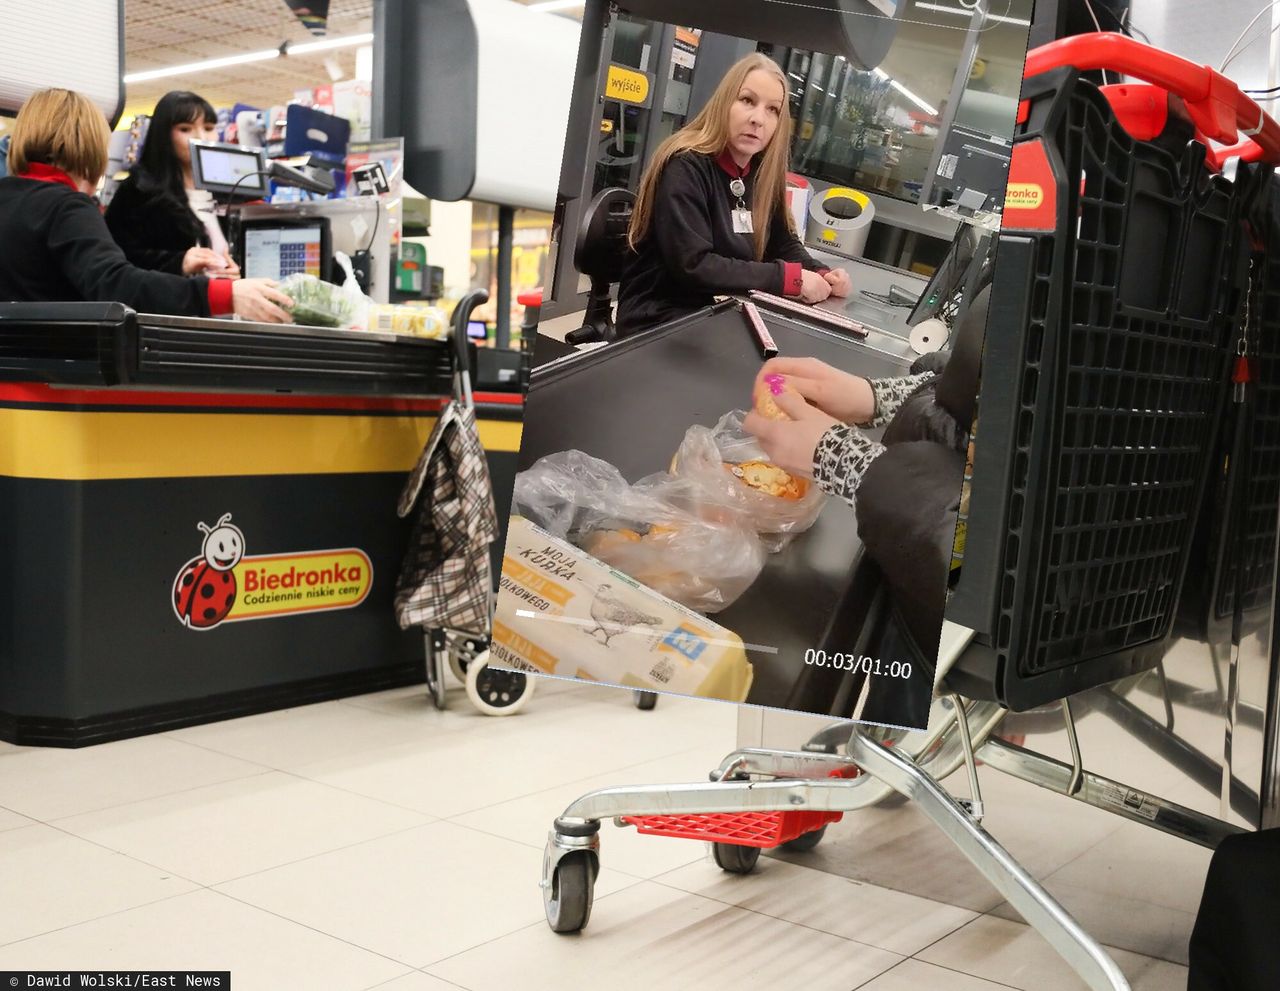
{"x":56,"y":245}
{"x":711,"y":218}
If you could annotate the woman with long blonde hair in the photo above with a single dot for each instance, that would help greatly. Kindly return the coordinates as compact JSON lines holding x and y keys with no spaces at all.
{"x":710,"y":216}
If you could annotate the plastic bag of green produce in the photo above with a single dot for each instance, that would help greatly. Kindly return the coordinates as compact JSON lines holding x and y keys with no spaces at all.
{"x":320,"y":304}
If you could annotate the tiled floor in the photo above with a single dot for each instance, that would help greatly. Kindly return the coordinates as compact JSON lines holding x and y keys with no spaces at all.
{"x":375,"y":842}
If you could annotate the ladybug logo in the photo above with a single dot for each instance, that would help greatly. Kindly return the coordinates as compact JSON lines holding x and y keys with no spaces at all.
{"x":205,"y":589}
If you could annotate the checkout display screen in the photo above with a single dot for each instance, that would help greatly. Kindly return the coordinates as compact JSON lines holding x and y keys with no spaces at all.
{"x":223,"y":167}
{"x":276,"y":252}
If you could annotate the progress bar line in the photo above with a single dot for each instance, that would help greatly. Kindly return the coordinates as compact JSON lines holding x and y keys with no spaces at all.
{"x":759,"y":648}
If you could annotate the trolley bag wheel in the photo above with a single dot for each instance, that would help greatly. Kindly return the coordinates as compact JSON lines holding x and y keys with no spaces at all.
{"x":495,"y":692}
{"x":736,"y":859}
{"x":435,"y":651}
{"x":458,"y":668}
{"x":568,"y":899}
{"x":805,"y":842}
{"x":645,"y":700}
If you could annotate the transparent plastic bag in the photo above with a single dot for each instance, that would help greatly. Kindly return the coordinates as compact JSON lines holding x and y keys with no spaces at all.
{"x":731,"y":468}
{"x":653,"y":531}
{"x":317,"y":303}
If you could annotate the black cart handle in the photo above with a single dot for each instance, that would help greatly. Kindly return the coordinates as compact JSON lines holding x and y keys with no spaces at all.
{"x":461,"y":317}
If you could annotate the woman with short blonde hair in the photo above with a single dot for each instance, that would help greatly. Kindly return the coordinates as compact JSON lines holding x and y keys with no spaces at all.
{"x":710,"y":215}
{"x":64,"y":130}
{"x":56,"y":246}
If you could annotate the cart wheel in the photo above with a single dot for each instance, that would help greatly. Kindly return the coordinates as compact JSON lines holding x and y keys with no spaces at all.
{"x":736,"y":859}
{"x":495,"y":692}
{"x":645,"y":700}
{"x":458,"y":668}
{"x":435,"y":675}
{"x":805,"y":843}
{"x":568,"y":901}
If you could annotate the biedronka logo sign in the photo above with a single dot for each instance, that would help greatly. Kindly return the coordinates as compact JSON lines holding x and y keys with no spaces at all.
{"x":224,"y":584}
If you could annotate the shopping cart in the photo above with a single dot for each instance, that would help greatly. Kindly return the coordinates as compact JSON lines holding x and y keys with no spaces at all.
{"x":447,"y":585}
{"x":1119,"y":307}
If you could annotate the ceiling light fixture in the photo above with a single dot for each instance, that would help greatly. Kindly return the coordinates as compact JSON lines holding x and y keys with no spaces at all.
{"x":548,"y":6}
{"x":962,"y":12}
{"x":906,"y":92}
{"x":244,"y":59}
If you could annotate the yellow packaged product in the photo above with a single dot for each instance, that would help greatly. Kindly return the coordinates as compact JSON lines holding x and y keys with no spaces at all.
{"x":562,"y":612}
{"x":419,"y":321}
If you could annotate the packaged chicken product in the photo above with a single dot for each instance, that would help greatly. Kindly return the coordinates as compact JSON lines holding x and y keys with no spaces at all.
{"x":562,"y":612}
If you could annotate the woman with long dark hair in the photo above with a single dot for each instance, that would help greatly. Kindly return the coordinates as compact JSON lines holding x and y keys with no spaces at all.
{"x":157,"y":216}
{"x":710,"y":216}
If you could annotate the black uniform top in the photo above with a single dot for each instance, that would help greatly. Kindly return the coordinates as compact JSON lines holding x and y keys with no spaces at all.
{"x":154,"y":229}
{"x":56,"y":248}
{"x":691,"y":252}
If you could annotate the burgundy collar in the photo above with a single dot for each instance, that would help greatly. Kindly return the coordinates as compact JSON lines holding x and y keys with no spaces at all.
{"x":726,"y":162}
{"x":47,"y":173}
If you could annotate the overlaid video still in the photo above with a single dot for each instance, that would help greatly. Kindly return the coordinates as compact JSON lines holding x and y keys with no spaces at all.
{"x":750,"y":410}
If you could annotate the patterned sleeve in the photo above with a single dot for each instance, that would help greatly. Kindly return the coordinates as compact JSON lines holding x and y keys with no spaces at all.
{"x":890,"y":394}
{"x":841,"y":458}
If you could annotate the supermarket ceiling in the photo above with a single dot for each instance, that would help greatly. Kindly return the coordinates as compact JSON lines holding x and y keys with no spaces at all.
{"x":162,"y":33}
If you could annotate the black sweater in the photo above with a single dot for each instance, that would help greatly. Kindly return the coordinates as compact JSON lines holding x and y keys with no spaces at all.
{"x":154,"y":229}
{"x":55,"y":247}
{"x":691,"y":252}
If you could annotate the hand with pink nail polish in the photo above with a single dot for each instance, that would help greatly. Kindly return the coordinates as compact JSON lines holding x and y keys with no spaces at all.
{"x":847,"y":398}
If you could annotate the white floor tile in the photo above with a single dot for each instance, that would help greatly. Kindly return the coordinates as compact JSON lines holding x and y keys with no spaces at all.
{"x":916,"y":975}
{"x":1124,"y":922}
{"x":1015,"y":954}
{"x":649,"y":937}
{"x":416,"y":981}
{"x":450,"y":774}
{"x":52,"y":880}
{"x":11,"y":820}
{"x":207,"y":931}
{"x":417,"y":896}
{"x":241,"y":827}
{"x":290,"y":738}
{"x":1172,"y":870}
{"x":46,"y":783}
{"x":529,"y":819}
{"x":880,"y":917}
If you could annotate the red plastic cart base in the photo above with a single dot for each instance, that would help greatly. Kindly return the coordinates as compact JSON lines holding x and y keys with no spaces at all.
{"x":763,"y":829}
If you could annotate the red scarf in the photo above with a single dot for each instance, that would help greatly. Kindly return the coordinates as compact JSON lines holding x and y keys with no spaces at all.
{"x":47,"y":173}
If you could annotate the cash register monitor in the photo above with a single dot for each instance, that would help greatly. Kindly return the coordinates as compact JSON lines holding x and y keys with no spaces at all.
{"x":219,"y":167}
{"x":275,"y":249}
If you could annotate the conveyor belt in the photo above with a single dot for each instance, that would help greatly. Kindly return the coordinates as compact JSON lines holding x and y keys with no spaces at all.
{"x":630,"y":404}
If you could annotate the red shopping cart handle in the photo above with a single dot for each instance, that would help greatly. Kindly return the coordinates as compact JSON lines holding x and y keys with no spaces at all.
{"x":1219,"y":108}
{"x":531,"y":298}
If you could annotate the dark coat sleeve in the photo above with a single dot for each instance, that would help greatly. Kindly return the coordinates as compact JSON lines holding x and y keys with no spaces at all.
{"x":94,"y":264}
{"x":785,"y":246}
{"x":152,"y":230}
{"x":681,"y":223}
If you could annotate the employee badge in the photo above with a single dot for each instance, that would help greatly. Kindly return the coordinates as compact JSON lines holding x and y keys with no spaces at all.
{"x":742,"y":221}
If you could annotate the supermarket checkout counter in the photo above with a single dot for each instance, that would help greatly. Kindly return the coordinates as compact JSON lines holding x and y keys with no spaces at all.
{"x":129,"y":602}
{"x":888,"y":324}
{"x":630,"y":404}
{"x":872,"y":277}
